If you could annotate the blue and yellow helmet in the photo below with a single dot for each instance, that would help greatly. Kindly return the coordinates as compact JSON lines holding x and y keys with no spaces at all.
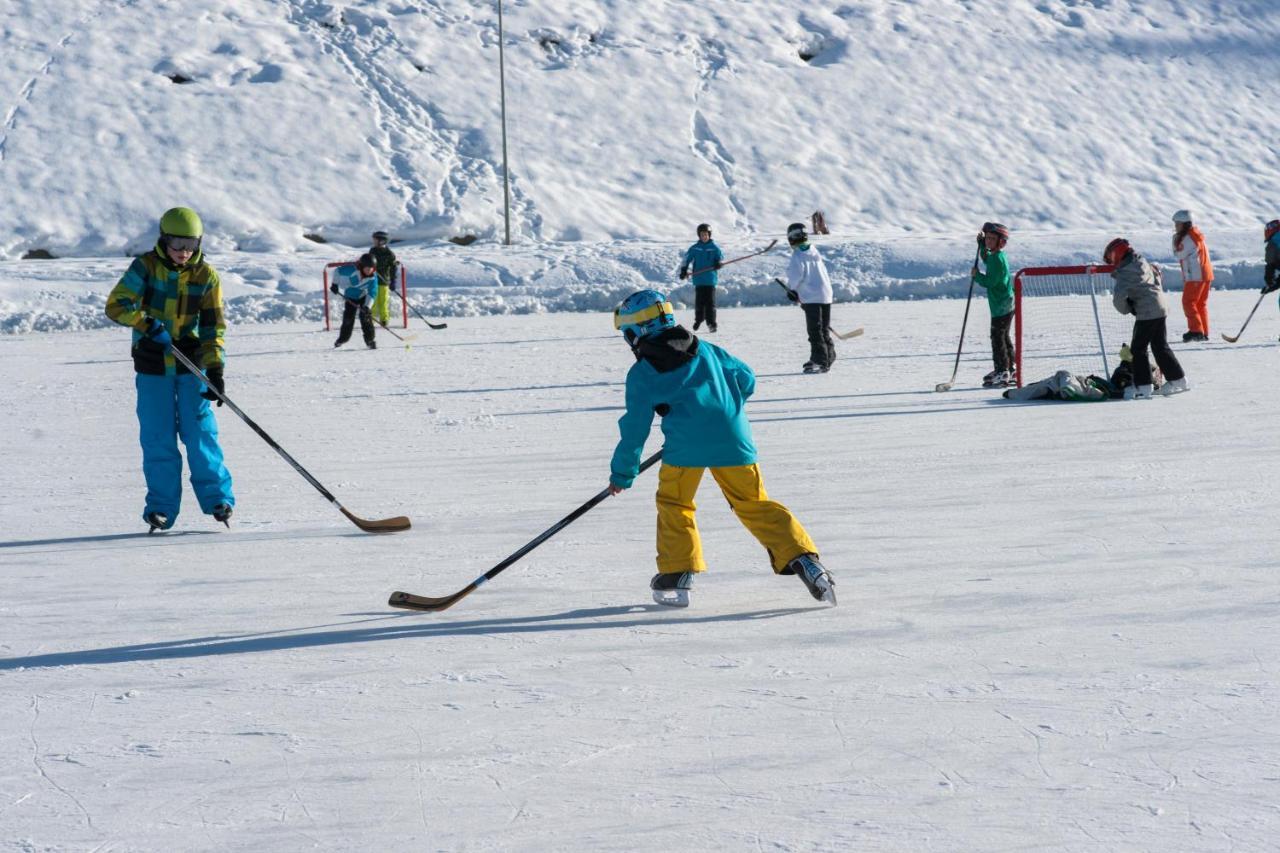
{"x":643,"y":313}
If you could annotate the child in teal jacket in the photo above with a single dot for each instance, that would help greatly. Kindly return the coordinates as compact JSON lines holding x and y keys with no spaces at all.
{"x":991,"y":271}
{"x":700,"y":392}
{"x":703,"y":259}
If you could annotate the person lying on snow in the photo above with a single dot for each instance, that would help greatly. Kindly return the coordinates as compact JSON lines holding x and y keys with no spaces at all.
{"x":1064,"y":385}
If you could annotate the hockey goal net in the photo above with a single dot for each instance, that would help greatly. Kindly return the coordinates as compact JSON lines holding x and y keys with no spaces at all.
{"x":333,"y":304}
{"x":1064,"y":320}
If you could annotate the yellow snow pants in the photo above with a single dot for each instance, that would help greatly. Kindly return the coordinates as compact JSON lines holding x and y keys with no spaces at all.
{"x":381,"y":310}
{"x":679,"y":546}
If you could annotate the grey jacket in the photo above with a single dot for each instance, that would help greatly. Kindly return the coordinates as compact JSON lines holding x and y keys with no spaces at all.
{"x":1138,"y":291}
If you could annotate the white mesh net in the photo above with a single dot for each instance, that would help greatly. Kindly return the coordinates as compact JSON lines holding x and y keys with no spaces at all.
{"x":1068,"y":322}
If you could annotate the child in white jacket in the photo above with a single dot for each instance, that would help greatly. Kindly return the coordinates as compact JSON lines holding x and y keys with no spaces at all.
{"x":807,"y":276}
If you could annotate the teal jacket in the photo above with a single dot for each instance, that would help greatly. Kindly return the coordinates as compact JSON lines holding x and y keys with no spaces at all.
{"x":997,"y":281}
{"x":701,"y":392}
{"x":353,"y":286}
{"x":703,"y":256}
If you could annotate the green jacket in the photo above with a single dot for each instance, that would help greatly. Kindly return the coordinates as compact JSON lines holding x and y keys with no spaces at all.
{"x":996,"y":280}
{"x":187,"y":299}
{"x":386,"y":262}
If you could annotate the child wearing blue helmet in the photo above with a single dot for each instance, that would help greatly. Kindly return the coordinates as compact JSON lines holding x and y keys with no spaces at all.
{"x":700,"y":392}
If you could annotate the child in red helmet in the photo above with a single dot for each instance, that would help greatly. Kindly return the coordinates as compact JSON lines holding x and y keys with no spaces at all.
{"x":991,"y":271}
{"x":1138,"y":291}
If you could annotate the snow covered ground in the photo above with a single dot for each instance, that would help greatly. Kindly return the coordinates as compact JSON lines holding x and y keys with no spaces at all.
{"x":1057,"y":625}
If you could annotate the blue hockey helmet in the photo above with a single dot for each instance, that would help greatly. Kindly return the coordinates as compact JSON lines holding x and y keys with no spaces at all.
{"x":643,"y":313}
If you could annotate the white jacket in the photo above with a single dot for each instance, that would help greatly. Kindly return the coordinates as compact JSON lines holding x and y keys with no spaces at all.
{"x":807,"y":276}
{"x":1193,"y":257}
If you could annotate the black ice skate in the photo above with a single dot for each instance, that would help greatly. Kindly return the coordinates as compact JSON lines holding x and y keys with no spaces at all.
{"x":222,"y":512}
{"x":672,"y":589}
{"x":991,"y":380}
{"x":815,"y":576}
{"x":157,"y":520}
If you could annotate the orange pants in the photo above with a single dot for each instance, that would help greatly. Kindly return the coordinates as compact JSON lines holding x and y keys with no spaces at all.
{"x":680,"y":547}
{"x":1195,"y":304}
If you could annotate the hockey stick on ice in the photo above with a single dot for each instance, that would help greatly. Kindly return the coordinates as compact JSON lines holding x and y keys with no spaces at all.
{"x":419,"y":313}
{"x":1232,"y":340}
{"x":409,"y":601}
{"x":844,"y":337}
{"x":946,"y":386}
{"x":377,"y":525}
{"x":734,"y":260}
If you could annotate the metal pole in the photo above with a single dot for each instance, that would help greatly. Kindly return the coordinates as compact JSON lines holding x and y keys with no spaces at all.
{"x":502,"y":86}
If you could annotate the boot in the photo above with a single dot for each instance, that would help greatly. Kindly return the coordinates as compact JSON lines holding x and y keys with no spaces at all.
{"x":815,"y":576}
{"x":671,"y":589}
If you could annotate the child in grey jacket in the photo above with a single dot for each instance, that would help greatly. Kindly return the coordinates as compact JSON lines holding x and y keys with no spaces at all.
{"x":1138,"y":291}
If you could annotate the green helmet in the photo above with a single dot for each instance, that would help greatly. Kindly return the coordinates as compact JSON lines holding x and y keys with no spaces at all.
{"x":181,"y":222}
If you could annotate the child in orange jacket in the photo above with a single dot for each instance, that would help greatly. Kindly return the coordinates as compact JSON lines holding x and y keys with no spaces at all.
{"x":1197,"y":275}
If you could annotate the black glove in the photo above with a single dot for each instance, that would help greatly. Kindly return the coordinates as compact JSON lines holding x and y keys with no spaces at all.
{"x":982,"y":239}
{"x":333,"y":288}
{"x":1270,"y":286}
{"x":718,"y":265}
{"x":684,"y":273}
{"x":793,"y":296}
{"x":214,"y":375}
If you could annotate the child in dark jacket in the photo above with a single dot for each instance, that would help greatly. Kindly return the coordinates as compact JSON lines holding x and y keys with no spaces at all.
{"x":700,"y":392}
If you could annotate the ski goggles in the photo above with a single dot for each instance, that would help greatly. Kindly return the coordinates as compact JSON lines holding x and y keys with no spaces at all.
{"x":182,"y":244}
{"x":644,"y":315}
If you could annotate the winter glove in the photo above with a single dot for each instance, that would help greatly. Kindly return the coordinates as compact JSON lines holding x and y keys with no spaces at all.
{"x":158,"y":333}
{"x":1270,"y":286}
{"x":214,"y":375}
{"x":718,"y":265}
{"x":982,"y":239}
{"x":684,"y":273}
{"x":333,"y":288}
{"x":793,"y":296}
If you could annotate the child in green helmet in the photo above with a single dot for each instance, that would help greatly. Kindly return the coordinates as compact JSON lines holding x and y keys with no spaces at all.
{"x":172,"y":298}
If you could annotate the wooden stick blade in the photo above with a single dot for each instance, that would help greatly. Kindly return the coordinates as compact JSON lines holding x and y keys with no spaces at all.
{"x":942,"y":386}
{"x":847,"y":335}
{"x":378,"y":525}
{"x":1230,"y":339}
{"x":409,"y":601}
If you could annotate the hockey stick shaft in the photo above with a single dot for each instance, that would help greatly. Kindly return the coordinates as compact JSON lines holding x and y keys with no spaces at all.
{"x":734,"y":260}
{"x":409,"y":601}
{"x":382,"y":326}
{"x":1232,"y":340}
{"x":955,"y":371}
{"x":385,"y":525}
{"x":415,"y":310}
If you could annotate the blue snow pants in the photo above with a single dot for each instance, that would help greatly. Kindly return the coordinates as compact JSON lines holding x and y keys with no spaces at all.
{"x":170,"y":407}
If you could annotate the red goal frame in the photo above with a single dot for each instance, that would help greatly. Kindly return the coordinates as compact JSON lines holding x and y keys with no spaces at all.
{"x":1032,"y":272}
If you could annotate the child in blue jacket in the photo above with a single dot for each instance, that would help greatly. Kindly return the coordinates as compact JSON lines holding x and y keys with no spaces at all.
{"x":359,"y":290}
{"x":703,"y":258}
{"x":700,"y":392}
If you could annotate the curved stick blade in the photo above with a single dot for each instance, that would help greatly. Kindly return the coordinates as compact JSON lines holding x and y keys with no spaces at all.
{"x":1230,"y":339}
{"x":378,"y":525}
{"x":409,"y":601}
{"x":942,"y":386}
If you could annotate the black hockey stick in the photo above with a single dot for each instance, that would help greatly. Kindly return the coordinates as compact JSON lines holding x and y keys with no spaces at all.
{"x":377,"y":525}
{"x":946,"y":386}
{"x":1232,"y":340}
{"x":791,"y":293}
{"x":419,"y":313}
{"x":409,"y":601}
{"x":385,"y":328}
{"x":734,"y":260}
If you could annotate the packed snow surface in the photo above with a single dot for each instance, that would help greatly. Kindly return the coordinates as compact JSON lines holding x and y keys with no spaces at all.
{"x":1057,"y":625}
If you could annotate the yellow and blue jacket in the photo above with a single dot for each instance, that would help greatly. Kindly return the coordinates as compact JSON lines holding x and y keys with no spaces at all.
{"x":187,"y":299}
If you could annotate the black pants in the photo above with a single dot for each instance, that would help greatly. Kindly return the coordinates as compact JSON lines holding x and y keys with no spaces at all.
{"x":349,"y":311}
{"x":1153,"y":334}
{"x":817,"y":320}
{"x":1002,"y":343}
{"x":704,"y":307}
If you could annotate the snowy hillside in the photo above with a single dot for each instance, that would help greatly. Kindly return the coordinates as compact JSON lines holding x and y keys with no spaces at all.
{"x":629,"y":121}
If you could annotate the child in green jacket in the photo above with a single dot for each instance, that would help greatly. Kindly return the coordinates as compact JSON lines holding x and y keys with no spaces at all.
{"x":991,"y":271}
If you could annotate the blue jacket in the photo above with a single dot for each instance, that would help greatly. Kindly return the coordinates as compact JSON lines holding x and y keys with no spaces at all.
{"x":702,"y":390}
{"x":353,"y":286}
{"x":703,"y":256}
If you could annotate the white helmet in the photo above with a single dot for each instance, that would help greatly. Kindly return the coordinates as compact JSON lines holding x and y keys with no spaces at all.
{"x":1182,"y":216}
